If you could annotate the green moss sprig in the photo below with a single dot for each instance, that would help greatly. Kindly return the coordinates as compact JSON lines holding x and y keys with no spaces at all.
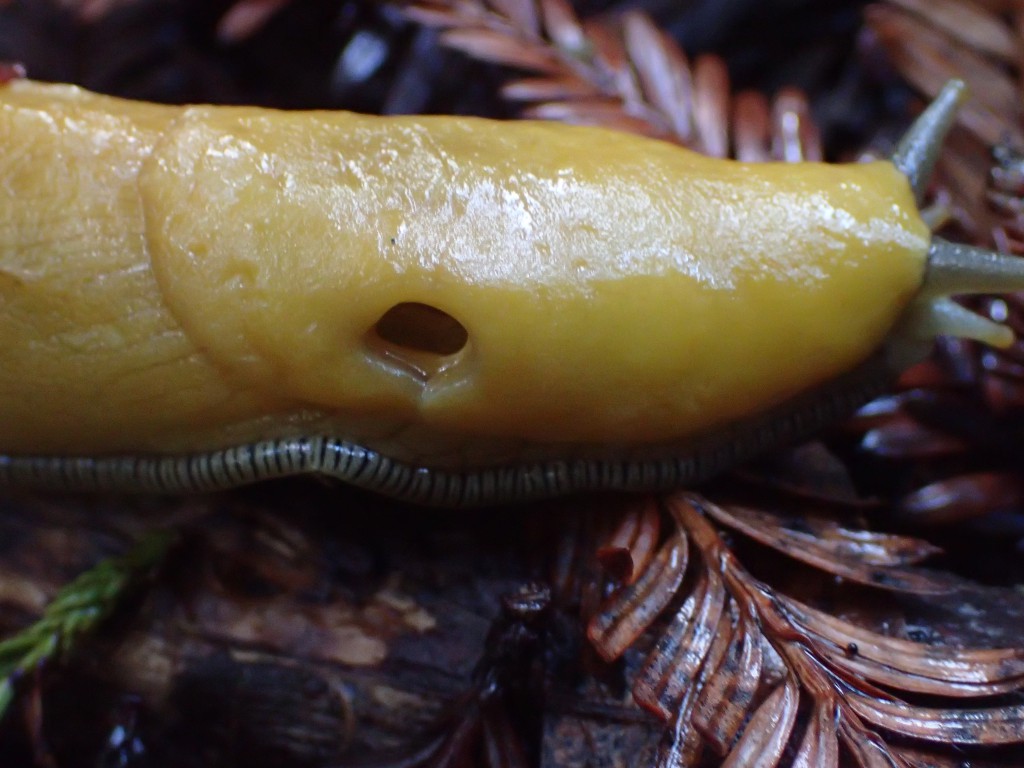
{"x":77,"y":609}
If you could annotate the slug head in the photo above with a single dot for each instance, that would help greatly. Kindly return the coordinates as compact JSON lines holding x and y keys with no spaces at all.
{"x":952,"y":269}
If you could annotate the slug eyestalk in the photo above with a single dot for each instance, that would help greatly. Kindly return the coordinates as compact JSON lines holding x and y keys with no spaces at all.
{"x":918,"y":151}
{"x":952,"y":269}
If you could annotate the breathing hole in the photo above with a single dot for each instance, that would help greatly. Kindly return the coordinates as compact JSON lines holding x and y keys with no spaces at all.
{"x":422,"y":328}
{"x":418,"y":338}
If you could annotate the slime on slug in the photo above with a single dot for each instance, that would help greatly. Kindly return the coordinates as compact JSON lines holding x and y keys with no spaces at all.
{"x":446,"y":310}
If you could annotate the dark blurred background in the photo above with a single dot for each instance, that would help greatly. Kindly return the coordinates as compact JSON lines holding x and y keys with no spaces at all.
{"x":364,"y":56}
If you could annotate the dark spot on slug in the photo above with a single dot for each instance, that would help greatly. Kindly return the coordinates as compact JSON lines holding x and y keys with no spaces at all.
{"x":852,"y":649}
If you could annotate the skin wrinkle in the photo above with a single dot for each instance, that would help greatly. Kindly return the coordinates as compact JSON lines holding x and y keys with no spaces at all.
{"x":123,"y":376}
{"x":200,"y":353}
{"x":237,"y":390}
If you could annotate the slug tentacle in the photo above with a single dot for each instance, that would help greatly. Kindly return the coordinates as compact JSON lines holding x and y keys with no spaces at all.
{"x":954,"y":269}
{"x":918,"y":151}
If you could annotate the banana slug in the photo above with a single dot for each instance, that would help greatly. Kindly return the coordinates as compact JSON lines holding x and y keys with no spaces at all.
{"x":450,"y":311}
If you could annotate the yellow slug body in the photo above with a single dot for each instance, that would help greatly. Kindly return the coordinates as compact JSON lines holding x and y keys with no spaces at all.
{"x":184,"y":279}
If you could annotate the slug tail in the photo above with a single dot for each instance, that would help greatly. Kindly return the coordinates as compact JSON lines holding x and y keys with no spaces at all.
{"x":918,"y":151}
